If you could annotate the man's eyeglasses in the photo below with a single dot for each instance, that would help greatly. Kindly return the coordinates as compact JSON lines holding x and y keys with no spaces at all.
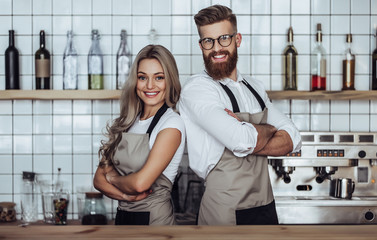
{"x":223,"y":40}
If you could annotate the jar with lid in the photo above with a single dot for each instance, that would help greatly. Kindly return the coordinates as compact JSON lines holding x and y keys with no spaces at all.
{"x":7,"y":212}
{"x":94,"y":209}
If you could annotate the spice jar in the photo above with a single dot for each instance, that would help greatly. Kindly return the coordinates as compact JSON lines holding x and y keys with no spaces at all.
{"x":7,"y":212}
{"x":94,"y":209}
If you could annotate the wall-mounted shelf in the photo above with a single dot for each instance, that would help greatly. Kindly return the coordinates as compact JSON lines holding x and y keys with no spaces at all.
{"x":60,"y":94}
{"x":323,"y":95}
{"x":114,"y":94}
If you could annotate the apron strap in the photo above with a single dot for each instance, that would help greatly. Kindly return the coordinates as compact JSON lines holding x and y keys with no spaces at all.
{"x":234,"y":101}
{"x":256,"y":95}
{"x":156,"y":118}
{"x":235,"y":107}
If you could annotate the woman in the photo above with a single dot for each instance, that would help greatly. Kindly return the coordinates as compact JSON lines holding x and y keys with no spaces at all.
{"x":146,"y":142}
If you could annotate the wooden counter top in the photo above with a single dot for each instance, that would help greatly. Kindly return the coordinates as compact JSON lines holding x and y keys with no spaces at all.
{"x":281,"y":232}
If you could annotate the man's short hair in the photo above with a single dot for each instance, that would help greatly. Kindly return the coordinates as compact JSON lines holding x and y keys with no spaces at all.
{"x":215,"y":14}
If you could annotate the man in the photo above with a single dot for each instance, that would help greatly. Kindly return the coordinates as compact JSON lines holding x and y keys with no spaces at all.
{"x":231,"y":127}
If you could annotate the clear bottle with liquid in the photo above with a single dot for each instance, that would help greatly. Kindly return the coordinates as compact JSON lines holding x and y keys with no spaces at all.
{"x":70,"y":64}
{"x":95,"y":63}
{"x":374,"y":65}
{"x":123,"y":60}
{"x":290,"y":66}
{"x":349,"y":66}
{"x":29,"y":198}
{"x":318,"y":63}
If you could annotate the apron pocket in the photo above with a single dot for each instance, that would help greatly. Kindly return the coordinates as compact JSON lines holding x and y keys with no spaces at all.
{"x":131,"y":218}
{"x":263,"y":215}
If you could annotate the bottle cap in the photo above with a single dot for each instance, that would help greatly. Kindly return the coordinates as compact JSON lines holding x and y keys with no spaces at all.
{"x":319,"y":27}
{"x":290,"y":34}
{"x":28,"y":176}
{"x":319,"y":32}
{"x":349,"y":38}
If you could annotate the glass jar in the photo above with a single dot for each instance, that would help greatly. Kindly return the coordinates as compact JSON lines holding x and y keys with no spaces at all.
{"x":7,"y":212}
{"x":94,"y":209}
{"x":29,"y":198}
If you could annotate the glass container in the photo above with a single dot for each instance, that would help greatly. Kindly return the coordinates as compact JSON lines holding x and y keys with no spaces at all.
{"x":123,"y":60}
{"x":290,"y":66}
{"x":349,"y":66}
{"x":318,"y":63}
{"x":95,"y":63}
{"x":94,"y":209}
{"x":70,"y":64}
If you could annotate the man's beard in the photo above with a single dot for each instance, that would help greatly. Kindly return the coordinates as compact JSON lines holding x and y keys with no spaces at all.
{"x":220,"y":70}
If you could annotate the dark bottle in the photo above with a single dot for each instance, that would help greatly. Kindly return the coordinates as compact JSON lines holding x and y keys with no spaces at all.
{"x":374,"y":66}
{"x":12,"y":69}
{"x":290,"y":66}
{"x":318,"y":63}
{"x":42,"y":64}
{"x":349,"y":66}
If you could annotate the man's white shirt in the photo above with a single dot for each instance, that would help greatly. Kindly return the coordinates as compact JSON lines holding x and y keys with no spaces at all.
{"x":209,"y":128}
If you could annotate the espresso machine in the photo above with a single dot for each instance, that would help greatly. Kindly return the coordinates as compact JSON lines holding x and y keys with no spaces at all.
{"x":332,"y":180}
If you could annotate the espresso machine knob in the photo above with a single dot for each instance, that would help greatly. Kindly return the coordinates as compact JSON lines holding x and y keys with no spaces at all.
{"x":369,"y":216}
{"x":362,"y":154}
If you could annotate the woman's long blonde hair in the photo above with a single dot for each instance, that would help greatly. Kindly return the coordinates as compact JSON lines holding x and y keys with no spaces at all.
{"x":130,"y":103}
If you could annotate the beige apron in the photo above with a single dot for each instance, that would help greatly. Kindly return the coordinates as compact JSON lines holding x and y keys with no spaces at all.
{"x":130,"y":156}
{"x":236,"y":183}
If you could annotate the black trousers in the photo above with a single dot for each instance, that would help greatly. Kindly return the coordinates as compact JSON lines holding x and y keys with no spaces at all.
{"x":263,"y":215}
{"x":131,"y":218}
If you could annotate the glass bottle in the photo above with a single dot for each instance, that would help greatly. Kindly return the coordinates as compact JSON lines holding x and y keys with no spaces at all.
{"x":42,"y":64}
{"x":70,"y":67}
{"x":374,"y":66}
{"x":349,"y":66}
{"x":95,"y":63}
{"x":12,"y":69}
{"x":94,"y":212}
{"x":290,"y":66}
{"x":318,"y":63}
{"x":29,"y":198}
{"x":123,"y":60}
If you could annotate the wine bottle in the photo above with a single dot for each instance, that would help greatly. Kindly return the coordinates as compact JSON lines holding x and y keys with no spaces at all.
{"x":95,"y":63}
{"x":349,"y":66}
{"x":70,"y":78}
{"x":290,"y":66}
{"x":374,"y":66}
{"x":123,"y":60}
{"x":42,"y":64}
{"x":12,"y":67}
{"x":318,"y":63}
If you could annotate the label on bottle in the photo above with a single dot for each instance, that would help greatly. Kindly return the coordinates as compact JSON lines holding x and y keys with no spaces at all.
{"x":323,"y":68}
{"x":42,"y":68}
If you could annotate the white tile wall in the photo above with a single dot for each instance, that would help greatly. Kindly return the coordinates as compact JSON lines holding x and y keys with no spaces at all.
{"x":43,"y":135}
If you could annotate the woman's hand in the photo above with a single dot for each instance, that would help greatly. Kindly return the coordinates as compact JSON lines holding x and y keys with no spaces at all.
{"x":232,"y":114}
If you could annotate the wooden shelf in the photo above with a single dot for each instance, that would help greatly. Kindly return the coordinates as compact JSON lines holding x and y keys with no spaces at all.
{"x":323,"y":95}
{"x":115,"y":94}
{"x":60,"y":94}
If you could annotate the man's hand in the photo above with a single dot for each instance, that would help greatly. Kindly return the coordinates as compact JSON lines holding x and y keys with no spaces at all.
{"x":265,"y":132}
{"x":137,"y":197}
